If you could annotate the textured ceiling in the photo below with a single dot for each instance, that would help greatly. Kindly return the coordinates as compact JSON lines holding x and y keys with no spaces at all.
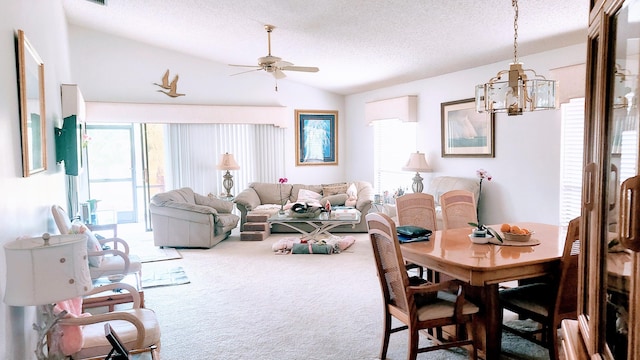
{"x":358,"y":45}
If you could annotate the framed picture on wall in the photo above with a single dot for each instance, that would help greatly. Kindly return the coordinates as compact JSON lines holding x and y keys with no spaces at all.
{"x":316,"y":137}
{"x":32,"y":108}
{"x":465,"y":132}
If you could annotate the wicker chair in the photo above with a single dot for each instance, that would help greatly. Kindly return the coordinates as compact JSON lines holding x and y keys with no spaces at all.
{"x":425,"y":306}
{"x":417,"y":209}
{"x":116,"y":262}
{"x":550,"y":302}
{"x":458,"y":209}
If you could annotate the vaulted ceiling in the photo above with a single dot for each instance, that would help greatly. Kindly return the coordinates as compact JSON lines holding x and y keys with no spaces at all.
{"x":358,"y":45}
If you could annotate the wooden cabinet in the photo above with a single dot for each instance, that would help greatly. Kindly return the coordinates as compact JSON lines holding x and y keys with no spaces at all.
{"x":608,"y":325}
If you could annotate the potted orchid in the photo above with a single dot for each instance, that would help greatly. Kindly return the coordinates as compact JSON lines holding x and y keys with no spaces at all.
{"x":480,"y":229}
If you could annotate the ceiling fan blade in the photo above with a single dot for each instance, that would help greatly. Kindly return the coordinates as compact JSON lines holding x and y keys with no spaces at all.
{"x":244,"y":72}
{"x":248,"y":66}
{"x":281,"y":63}
{"x":300,"y":68}
{"x":278,"y":74}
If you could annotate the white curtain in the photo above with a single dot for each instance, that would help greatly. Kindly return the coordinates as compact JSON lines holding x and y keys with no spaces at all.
{"x":195,"y":149}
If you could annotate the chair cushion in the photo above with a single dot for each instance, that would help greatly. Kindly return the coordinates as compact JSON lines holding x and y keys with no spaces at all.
{"x":114,"y":265}
{"x":95,"y":343}
{"x":535,"y":298}
{"x":443,"y":307}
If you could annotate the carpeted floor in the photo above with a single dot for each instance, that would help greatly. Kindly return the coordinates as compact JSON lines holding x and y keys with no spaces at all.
{"x":244,"y":302}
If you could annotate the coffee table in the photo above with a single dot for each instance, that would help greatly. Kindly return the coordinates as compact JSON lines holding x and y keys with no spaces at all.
{"x":112,"y":298}
{"x":321,"y":224}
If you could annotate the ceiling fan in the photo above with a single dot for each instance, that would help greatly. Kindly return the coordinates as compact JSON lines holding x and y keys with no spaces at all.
{"x":273,"y":64}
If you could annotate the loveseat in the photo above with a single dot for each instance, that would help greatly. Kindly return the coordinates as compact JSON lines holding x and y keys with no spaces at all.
{"x":182,"y":218}
{"x":265,"y":198}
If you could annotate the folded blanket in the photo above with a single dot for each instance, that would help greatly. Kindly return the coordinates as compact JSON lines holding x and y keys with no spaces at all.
{"x":312,"y":249}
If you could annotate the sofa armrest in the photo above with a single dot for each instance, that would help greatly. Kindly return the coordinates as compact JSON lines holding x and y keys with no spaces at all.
{"x":221,"y":206}
{"x":186,"y":212}
{"x":248,"y":198}
{"x":365,"y":196}
{"x":202,"y":209}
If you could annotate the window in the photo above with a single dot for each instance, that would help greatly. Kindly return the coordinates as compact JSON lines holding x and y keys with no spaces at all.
{"x":571,"y":168}
{"x":394,"y":141}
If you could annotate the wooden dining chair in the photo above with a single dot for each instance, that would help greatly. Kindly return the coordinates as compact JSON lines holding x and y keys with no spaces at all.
{"x":417,"y":209}
{"x":458,"y":209}
{"x":549,"y":302}
{"x":417,"y":307}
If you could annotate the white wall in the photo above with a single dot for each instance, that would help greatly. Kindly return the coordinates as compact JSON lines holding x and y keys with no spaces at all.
{"x":26,"y":202}
{"x":526,"y":167}
{"x":110,"y":68}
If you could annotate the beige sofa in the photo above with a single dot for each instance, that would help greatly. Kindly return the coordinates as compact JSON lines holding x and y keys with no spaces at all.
{"x":265,"y":198}
{"x":182,"y":218}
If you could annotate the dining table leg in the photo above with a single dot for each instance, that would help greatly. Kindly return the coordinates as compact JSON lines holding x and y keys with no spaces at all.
{"x":489,"y":320}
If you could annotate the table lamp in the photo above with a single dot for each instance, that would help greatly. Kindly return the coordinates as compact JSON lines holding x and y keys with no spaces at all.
{"x":418,"y":163}
{"x":227,"y":162}
{"x":42,"y":271}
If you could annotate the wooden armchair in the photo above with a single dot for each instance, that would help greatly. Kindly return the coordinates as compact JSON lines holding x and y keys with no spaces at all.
{"x":114,"y":263}
{"x":137,"y":328}
{"x":426,"y":306}
{"x":551,"y":301}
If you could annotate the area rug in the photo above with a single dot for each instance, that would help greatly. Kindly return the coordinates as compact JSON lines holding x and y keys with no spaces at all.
{"x":151,"y":254}
{"x":163,"y":276}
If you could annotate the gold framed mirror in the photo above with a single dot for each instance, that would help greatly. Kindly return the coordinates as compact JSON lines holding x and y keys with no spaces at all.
{"x":32,"y":108}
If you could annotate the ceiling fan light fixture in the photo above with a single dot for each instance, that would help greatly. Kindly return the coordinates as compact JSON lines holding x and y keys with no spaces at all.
{"x":524,"y":89}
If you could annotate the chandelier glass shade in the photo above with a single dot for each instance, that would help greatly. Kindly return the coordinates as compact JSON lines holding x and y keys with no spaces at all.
{"x":516,"y":90}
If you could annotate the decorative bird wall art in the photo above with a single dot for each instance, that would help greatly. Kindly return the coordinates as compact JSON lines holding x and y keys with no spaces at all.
{"x":171,"y":86}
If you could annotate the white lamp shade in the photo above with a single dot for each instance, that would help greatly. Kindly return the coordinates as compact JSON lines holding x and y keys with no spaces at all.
{"x":227,"y":162}
{"x":39,"y":273}
{"x":417,"y":162}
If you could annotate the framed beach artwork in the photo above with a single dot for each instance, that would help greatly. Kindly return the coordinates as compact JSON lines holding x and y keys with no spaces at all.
{"x":465,"y":132}
{"x":316,"y":137}
{"x":32,"y":108}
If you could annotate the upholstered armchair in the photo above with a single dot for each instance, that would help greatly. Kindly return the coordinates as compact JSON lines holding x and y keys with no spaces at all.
{"x":182,"y":218}
{"x":81,"y":335}
{"x":114,"y":263}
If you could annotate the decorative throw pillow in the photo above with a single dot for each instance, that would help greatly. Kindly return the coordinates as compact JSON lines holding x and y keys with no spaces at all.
{"x":352,"y":191}
{"x":334,"y":200}
{"x":332,"y":189}
{"x":93,"y":244}
{"x":305,"y":195}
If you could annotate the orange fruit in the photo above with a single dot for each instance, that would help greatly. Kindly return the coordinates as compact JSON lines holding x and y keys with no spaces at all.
{"x":505,"y":228}
{"x":525,"y":231}
{"x":515,"y":229}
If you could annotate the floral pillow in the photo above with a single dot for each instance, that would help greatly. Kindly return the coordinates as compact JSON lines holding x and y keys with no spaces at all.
{"x":93,"y":244}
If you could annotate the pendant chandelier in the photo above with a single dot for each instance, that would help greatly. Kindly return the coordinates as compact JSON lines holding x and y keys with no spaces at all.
{"x":524,"y":90}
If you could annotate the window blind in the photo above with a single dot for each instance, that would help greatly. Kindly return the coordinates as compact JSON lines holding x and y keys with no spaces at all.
{"x":571,"y":152}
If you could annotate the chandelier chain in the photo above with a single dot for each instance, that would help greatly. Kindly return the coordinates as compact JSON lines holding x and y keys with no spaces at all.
{"x":514,"y":3}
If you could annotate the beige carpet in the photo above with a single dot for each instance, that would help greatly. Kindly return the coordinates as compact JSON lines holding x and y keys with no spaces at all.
{"x":152,"y":254}
{"x":244,"y":302}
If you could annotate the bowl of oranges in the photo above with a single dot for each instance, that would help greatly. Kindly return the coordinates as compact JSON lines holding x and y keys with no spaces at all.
{"x":515,"y":233}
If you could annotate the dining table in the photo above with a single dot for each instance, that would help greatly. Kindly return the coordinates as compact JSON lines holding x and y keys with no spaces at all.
{"x":485,"y":266}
